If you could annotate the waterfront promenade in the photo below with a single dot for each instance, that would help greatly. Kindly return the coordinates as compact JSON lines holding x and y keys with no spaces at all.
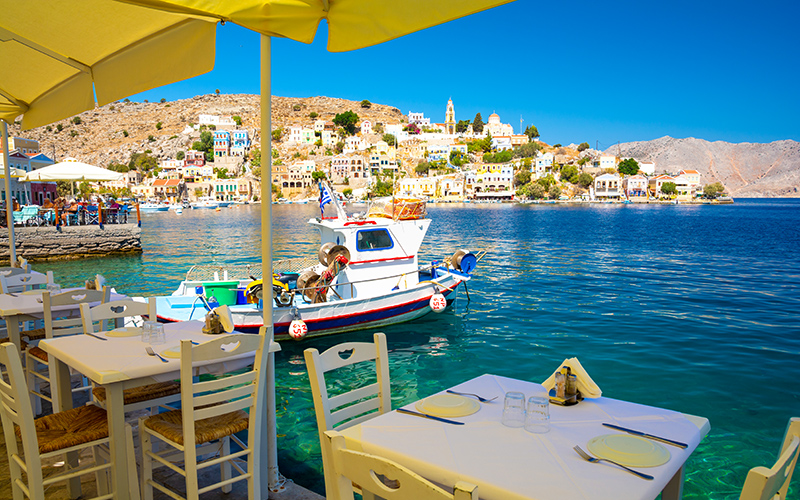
{"x":46,"y":243}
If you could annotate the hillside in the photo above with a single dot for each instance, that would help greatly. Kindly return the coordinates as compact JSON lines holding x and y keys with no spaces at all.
{"x":99,"y":138}
{"x":747,"y":170}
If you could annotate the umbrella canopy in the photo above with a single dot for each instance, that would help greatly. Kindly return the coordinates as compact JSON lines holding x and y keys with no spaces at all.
{"x":57,"y":55}
{"x":15,"y":173}
{"x":353,"y":24}
{"x":73,"y":170}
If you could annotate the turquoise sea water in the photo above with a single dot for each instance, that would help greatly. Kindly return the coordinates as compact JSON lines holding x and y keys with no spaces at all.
{"x":692,"y":308}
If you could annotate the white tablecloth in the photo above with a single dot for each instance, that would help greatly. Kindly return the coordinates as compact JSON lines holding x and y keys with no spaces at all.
{"x":511,"y":463}
{"x":29,"y":303}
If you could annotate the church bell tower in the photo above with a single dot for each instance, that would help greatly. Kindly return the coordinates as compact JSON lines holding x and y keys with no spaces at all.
{"x":450,"y":118}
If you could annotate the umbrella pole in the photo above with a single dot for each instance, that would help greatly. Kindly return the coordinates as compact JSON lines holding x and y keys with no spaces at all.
{"x":269,"y":447}
{"x":12,"y":245}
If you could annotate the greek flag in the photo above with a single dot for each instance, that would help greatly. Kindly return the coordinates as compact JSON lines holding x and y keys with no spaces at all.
{"x":325,"y":197}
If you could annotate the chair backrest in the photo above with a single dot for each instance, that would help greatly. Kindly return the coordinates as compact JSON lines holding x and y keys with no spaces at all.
{"x":11,"y":271}
{"x":15,"y":409}
{"x":212,"y":398}
{"x":773,"y":483}
{"x":30,"y":211}
{"x":368,"y":471}
{"x":96,"y":319}
{"x":22,"y":282}
{"x":359,"y":404}
{"x":69,"y":323}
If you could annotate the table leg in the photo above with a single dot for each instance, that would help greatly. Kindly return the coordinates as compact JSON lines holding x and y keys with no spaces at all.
{"x":63,"y":386}
{"x":116,"y":432}
{"x":674,"y":488}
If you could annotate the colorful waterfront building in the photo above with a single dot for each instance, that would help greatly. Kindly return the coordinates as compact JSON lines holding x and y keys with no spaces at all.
{"x":195,"y":158}
{"x":608,"y":186}
{"x":240,"y":143}
{"x":222,"y":143}
{"x":635,"y":187}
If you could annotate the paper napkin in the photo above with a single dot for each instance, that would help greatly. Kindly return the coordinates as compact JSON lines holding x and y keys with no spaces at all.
{"x":225,"y":318}
{"x":586,"y":385}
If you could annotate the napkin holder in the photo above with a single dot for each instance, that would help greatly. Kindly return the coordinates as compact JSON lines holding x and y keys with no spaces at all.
{"x":565,"y":401}
{"x":213,"y":325}
{"x":565,"y":392}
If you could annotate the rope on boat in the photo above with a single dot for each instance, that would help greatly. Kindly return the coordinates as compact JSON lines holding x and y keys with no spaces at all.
{"x":323,"y":283}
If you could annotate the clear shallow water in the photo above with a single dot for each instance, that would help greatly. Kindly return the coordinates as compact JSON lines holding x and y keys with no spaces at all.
{"x":693,"y":308}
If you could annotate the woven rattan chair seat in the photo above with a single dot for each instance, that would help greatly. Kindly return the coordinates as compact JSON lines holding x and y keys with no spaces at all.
{"x":143,"y":393}
{"x":70,"y":428}
{"x":35,"y":334}
{"x":38,"y":352}
{"x":170,"y":426}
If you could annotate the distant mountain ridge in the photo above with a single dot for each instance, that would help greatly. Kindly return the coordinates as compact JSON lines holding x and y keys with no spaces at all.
{"x":747,"y":170}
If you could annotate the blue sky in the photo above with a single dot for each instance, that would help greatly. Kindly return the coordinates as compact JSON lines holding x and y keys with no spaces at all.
{"x":579,"y":71}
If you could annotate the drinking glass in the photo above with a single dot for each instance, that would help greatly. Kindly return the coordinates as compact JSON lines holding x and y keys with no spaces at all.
{"x":514,"y":409}
{"x":157,"y":333}
{"x":147,"y":330}
{"x":53,"y":288}
{"x":537,"y":419}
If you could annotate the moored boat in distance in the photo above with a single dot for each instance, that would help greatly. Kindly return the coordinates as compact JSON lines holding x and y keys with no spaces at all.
{"x":153,"y":206}
{"x":205,"y":202}
{"x":367,"y":276}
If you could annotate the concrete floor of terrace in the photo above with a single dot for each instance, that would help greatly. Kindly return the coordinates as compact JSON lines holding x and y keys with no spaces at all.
{"x":174,"y":480}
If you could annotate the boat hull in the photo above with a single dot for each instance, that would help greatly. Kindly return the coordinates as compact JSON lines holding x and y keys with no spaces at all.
{"x":325,"y":318}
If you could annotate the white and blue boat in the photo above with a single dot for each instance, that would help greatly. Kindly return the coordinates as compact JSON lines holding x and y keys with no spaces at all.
{"x":367,"y":276}
{"x":153,"y":206}
{"x":205,"y":202}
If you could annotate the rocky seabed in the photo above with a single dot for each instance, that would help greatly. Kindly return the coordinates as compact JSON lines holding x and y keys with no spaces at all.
{"x":71,"y":242}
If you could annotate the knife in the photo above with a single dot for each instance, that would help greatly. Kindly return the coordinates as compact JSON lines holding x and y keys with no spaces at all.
{"x":650,"y":436}
{"x":96,"y":336}
{"x":425,"y":415}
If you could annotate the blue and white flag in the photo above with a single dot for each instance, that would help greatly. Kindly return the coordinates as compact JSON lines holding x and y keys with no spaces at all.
{"x":325,"y":197}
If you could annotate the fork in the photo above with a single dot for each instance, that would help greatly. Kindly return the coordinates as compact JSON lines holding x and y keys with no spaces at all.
{"x":482,"y":400}
{"x":592,"y":459}
{"x":151,"y":352}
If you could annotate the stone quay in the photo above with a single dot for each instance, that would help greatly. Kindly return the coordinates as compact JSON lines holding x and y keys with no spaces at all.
{"x":37,"y":244}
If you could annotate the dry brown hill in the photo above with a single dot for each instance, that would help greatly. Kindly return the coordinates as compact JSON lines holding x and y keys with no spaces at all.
{"x":99,"y":138}
{"x":747,"y":170}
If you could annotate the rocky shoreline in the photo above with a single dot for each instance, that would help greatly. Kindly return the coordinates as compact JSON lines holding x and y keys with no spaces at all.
{"x":38,"y":244}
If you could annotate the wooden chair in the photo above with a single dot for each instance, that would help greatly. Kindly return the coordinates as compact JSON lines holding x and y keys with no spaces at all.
{"x":12,"y":271}
{"x":24,"y":282}
{"x":211,"y":412}
{"x":119,"y":313}
{"x":63,"y":433}
{"x":772,"y":484}
{"x":355,"y":406}
{"x":350,"y":467}
{"x":65,"y":323}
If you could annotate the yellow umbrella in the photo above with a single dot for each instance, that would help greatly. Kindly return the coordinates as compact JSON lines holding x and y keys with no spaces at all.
{"x":352,"y":24}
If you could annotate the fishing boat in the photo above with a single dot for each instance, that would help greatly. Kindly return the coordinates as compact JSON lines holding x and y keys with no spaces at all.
{"x":153,"y":206}
{"x":205,"y":202}
{"x":365,"y":275}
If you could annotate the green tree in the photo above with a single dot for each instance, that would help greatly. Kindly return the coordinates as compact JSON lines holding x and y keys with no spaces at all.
{"x":76,"y":120}
{"x":276,"y":134}
{"x":198,"y":192}
{"x":462,"y":126}
{"x":457,"y":158}
{"x":318,"y":175}
{"x":532,"y":132}
{"x":313,"y":115}
{"x":180,"y":155}
{"x":163,"y":100}
{"x":205,"y":144}
{"x":585,"y":180}
{"x":628,"y":166}
{"x":125,"y":133}
{"x":222,"y":173}
{"x":347,"y":121}
{"x":366,"y":104}
{"x":583,"y":146}
{"x":554,"y":192}
{"x":118,"y":167}
{"x":477,"y":124}
{"x":422,"y":168}
{"x":255,"y":157}
{"x":237,"y":120}
{"x":569,"y":173}
{"x":142,"y":162}
{"x":60,"y":127}
{"x":533,"y":190}
{"x":669,"y":188}
{"x":339,"y":147}
{"x":546,"y":182}
{"x":522,"y":177}
{"x":714,"y":190}
{"x":528,"y":150}
{"x":159,"y":125}
{"x":378,"y":128}
{"x":389,"y":139}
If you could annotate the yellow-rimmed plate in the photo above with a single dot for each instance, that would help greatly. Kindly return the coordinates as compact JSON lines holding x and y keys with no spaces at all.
{"x":448,"y":405}
{"x":172,"y":352}
{"x":125,"y":331}
{"x":34,"y":292}
{"x":629,"y":450}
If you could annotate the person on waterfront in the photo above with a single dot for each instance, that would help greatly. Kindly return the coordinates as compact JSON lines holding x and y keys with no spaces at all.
{"x":15,"y":205}
{"x":47,"y":203}
{"x":71,"y":209}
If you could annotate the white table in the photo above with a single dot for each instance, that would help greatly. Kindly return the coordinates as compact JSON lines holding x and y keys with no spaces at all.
{"x":511,"y":463}
{"x":27,"y":306}
{"x":121,"y":363}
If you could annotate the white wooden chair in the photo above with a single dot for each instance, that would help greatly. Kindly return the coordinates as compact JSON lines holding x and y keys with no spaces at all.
{"x":346,"y":409}
{"x":772,"y":484}
{"x":350,"y":467}
{"x":12,"y":271}
{"x":22,"y":282}
{"x":211,"y":412}
{"x":52,"y":436}
{"x":65,"y":323}
{"x":119,"y":313}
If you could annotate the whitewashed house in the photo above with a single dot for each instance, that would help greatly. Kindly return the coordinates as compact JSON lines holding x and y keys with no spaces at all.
{"x":608,"y":186}
{"x":635,"y":187}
